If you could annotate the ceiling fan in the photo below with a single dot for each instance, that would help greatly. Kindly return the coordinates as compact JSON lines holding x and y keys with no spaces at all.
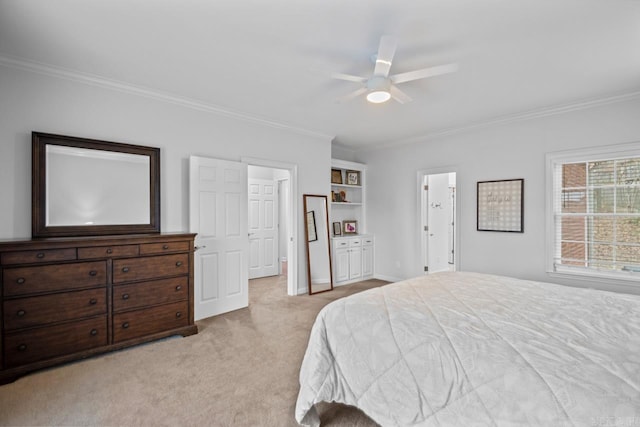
{"x":380,"y":87}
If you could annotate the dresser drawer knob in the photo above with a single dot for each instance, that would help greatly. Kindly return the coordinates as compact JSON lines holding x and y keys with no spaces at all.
{"x":179,"y":263}
{"x":109,"y":251}
{"x":93,"y":273}
{"x":40,"y":255}
{"x":125,"y":296}
{"x":21,"y":313}
{"x":94,"y":332}
{"x":22,"y":347}
{"x":179,"y":288}
{"x":93,"y":301}
{"x":20,"y":280}
{"x":178,"y":314}
{"x":125,"y":269}
{"x":125,"y":325}
{"x":165,"y":247}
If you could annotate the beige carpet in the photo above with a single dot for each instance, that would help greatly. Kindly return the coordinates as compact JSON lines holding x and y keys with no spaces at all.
{"x":241,"y":369}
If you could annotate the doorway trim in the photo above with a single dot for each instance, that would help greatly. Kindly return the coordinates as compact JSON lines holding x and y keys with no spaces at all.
{"x":292,"y":245}
{"x":421,"y":215}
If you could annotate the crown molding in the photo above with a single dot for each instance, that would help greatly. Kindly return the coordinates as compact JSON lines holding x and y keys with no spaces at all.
{"x":105,"y":83}
{"x":511,"y":118}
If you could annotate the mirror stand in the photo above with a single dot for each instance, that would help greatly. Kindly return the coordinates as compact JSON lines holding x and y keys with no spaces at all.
{"x":316,"y":225}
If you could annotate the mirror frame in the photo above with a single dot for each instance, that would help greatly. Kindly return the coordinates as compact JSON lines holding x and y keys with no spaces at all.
{"x":306,"y":241}
{"x":39,"y":227}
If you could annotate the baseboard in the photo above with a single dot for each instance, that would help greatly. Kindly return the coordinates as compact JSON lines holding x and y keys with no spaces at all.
{"x":387,"y":278}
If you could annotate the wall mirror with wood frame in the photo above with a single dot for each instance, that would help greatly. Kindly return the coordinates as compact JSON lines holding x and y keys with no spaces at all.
{"x":316,"y":220}
{"x":84,"y":187}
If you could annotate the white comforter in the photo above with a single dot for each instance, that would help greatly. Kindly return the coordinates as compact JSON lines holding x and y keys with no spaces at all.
{"x":467,"y":349}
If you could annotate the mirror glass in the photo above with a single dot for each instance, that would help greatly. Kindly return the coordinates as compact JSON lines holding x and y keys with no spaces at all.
{"x":85,"y":187}
{"x":319,"y":274}
{"x":82,"y":187}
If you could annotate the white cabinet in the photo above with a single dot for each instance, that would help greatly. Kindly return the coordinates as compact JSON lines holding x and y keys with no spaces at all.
{"x":352,"y":259}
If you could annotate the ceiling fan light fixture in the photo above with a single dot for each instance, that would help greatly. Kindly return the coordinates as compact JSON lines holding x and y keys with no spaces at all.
{"x":378,"y":96}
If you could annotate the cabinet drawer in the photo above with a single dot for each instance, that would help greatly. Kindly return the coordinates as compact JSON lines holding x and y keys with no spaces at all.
{"x":45,"y":255}
{"x":26,"y":280}
{"x":108,"y":251}
{"x":367,"y":241}
{"x":34,"y":311}
{"x":44,"y":343}
{"x":355,"y":242}
{"x":158,"y":248}
{"x":129,"y":270}
{"x":135,"y":324}
{"x":144,"y":294}
{"x":337,"y":244}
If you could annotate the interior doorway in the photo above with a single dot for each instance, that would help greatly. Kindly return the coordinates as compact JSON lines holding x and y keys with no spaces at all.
{"x":438,"y":216}
{"x":278,"y":245}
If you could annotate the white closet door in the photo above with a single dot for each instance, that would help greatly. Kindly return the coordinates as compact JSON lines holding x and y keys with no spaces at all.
{"x":263,"y":228}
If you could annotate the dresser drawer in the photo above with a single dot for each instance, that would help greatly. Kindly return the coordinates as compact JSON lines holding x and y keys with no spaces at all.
{"x":129,"y":270}
{"x":139,"y":323}
{"x":367,"y":241}
{"x":158,"y":248}
{"x":355,"y":242}
{"x":44,"y":255}
{"x":156,"y":292}
{"x":108,"y":252}
{"x":26,"y":280}
{"x":340,"y":243}
{"x":34,"y":311}
{"x":44,"y":343}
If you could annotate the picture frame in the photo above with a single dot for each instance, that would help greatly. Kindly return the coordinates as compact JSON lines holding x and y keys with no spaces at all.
{"x":353,"y":177}
{"x":312,"y":234}
{"x":350,"y":226}
{"x":500,"y":205}
{"x":336,"y":176}
{"x":337,"y":229}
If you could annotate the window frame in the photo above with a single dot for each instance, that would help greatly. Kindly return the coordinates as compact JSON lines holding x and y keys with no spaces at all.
{"x":602,"y":153}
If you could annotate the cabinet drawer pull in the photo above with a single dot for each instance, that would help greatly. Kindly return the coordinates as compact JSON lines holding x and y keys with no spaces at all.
{"x":93,"y":273}
{"x":40,"y":255}
{"x":93,"y":301}
{"x":125,"y":296}
{"x":94,"y":332}
{"x":165,"y":247}
{"x":179,"y":263}
{"x":179,"y":287}
{"x":125,"y":269}
{"x":21,"y":313}
{"x":125,"y":325}
{"x":109,"y":251}
{"x":22,"y":347}
{"x":20,"y":280}
{"x":178,"y":314}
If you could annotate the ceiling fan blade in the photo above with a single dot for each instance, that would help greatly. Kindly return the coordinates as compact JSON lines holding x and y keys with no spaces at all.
{"x":352,"y":95}
{"x":399,"y":95}
{"x":386,"y":50}
{"x":349,"y":77}
{"x":424,"y":73}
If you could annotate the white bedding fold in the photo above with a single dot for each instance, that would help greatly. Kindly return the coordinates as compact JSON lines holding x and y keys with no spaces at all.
{"x":465,"y":349}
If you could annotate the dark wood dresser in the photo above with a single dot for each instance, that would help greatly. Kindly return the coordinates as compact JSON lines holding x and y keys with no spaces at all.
{"x":69,"y":298}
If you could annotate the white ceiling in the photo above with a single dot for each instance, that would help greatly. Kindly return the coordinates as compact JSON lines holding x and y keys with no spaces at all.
{"x":272,"y":60}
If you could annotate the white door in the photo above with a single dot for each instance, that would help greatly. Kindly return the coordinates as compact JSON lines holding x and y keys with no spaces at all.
{"x":355,"y":263}
{"x":438,"y":222}
{"x":218,"y":213}
{"x":342,"y":265}
{"x":367,"y":261}
{"x":263,"y":228}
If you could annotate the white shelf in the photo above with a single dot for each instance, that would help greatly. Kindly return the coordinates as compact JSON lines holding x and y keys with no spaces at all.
{"x":345,"y":185}
{"x":346,"y":203}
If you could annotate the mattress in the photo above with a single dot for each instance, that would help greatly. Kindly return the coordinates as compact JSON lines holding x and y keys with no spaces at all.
{"x":469,"y":349}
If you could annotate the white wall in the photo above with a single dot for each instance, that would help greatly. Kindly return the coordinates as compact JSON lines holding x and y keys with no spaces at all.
{"x":36,"y":102}
{"x":510,"y":150}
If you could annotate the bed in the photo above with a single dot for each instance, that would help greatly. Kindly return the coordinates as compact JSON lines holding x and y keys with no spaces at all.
{"x":470,"y":349}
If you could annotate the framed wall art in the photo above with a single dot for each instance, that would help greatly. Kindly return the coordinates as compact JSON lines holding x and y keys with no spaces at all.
{"x":500,"y":205}
{"x":353,"y":177}
{"x":336,"y":176}
{"x":337,"y":229}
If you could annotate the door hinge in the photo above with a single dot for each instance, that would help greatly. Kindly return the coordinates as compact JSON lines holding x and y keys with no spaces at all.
{"x":426,"y":268}
{"x":426,"y":228}
{"x":426,"y":187}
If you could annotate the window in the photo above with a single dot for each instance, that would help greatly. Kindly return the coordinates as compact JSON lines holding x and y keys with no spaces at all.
{"x":594,"y":213}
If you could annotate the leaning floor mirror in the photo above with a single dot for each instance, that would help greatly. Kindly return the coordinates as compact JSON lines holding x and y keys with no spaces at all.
{"x":316,"y":225}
